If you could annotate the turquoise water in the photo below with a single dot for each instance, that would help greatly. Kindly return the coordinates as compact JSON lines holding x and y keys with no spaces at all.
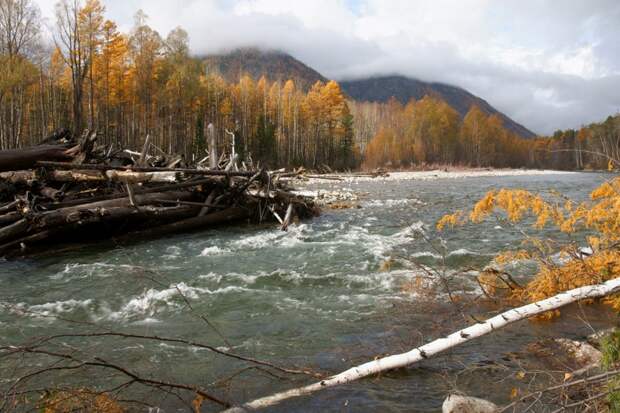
{"x":315,"y":297}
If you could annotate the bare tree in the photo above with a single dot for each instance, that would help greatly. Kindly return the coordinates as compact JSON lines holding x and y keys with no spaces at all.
{"x":74,"y":52}
{"x":19,"y":28}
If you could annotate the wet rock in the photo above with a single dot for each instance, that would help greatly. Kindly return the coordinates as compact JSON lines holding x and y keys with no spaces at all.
{"x":583,"y":353}
{"x":464,"y":404}
{"x":595,"y":338}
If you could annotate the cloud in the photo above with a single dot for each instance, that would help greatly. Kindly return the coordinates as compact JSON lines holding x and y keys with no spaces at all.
{"x":545,"y":64}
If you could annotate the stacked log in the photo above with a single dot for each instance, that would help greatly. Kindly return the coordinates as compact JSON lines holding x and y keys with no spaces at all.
{"x":74,"y":191}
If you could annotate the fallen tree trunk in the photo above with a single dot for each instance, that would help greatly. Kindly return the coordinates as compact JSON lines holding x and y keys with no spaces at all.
{"x":188,"y":171}
{"x":16,"y":159}
{"x":96,"y":216}
{"x":26,"y":226}
{"x":142,"y":177}
{"x":8,"y":206}
{"x":440,"y":345}
{"x":9,"y":218}
{"x":18,"y":177}
{"x":30,"y":177}
{"x":214,"y":218}
{"x":73,"y":214}
{"x":162,"y":188}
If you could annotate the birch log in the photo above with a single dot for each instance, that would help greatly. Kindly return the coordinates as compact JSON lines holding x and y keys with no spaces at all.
{"x":287,"y":218}
{"x":212,"y":146}
{"x":142,"y":177}
{"x":440,"y":345}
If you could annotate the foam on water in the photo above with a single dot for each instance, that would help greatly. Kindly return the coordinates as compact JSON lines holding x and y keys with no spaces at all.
{"x":52,"y":308}
{"x":215,"y":250}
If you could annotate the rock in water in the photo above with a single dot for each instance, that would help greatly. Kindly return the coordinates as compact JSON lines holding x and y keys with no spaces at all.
{"x":463,"y":404}
{"x":583,"y":353}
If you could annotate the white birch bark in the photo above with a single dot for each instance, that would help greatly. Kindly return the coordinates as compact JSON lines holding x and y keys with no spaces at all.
{"x":142,"y":177}
{"x":440,"y":345}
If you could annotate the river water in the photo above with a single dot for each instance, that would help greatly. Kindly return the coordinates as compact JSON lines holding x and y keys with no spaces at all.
{"x":318,"y":296}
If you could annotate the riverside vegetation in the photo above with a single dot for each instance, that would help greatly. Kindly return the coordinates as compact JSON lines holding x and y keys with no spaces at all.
{"x":129,"y":85}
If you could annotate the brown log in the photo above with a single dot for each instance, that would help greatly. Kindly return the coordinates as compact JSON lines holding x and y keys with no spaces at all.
{"x":162,"y":188}
{"x":200,"y":204}
{"x":78,"y":212}
{"x":75,"y":176}
{"x":19,"y":177}
{"x":14,"y":230}
{"x":205,"y":210}
{"x":26,"y":158}
{"x":188,"y":171}
{"x":39,"y":236}
{"x":9,"y":218}
{"x":8,"y":207}
{"x":51,"y":193}
{"x":198,"y":222}
{"x":98,"y":216}
{"x":30,"y":177}
{"x":60,"y":217}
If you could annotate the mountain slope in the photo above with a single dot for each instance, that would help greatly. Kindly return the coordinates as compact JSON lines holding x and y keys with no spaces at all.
{"x":272,"y":64}
{"x":381,"y":89}
{"x":276,"y":65}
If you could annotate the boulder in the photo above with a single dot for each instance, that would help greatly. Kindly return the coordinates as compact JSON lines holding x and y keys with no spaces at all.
{"x":583,"y":353}
{"x":455,"y":403}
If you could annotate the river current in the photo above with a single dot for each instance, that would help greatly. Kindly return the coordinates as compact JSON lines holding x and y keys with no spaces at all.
{"x":330,"y":293}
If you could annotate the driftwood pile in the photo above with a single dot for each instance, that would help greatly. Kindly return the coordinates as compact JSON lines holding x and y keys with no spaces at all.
{"x":64,"y":190}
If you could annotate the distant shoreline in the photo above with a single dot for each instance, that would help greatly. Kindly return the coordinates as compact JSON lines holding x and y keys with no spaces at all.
{"x":454,"y":173}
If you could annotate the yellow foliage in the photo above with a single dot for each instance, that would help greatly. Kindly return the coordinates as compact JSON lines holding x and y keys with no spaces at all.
{"x":79,"y":400}
{"x":599,"y":217}
{"x":510,"y":256}
{"x":450,"y":220}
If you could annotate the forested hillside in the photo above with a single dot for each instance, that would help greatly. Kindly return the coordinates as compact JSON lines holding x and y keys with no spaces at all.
{"x":130,"y":85}
{"x":404,"y":89}
{"x":274,"y":65}
{"x":596,"y":146}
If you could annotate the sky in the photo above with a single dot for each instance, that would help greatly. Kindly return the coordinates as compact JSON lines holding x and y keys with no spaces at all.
{"x":548,"y":64}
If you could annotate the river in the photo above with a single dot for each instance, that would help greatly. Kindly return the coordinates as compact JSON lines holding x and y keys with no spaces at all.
{"x":319,"y":296}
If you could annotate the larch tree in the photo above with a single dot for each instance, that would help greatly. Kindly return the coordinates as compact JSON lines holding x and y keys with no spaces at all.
{"x":145,"y":48}
{"x":70,"y":40}
{"x":19,"y":36}
{"x":91,"y":30}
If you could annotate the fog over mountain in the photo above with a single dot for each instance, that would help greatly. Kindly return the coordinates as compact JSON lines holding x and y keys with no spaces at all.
{"x":563,"y":71}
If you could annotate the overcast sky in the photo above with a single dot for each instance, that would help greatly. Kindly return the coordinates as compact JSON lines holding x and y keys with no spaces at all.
{"x":548,"y":64}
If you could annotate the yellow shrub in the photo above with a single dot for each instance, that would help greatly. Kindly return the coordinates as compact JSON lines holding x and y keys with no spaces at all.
{"x":600,"y":215}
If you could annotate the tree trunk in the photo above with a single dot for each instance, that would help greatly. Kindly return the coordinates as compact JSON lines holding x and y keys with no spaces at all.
{"x":16,"y":159}
{"x":440,"y":345}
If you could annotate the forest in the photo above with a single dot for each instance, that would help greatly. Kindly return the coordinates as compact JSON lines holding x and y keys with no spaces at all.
{"x":130,"y":85}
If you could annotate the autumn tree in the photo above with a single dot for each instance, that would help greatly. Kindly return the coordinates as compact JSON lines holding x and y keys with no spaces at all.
{"x":145,"y":46}
{"x":110,"y":71}
{"x":71,"y":42}
{"x":19,"y":29}
{"x":91,"y":30}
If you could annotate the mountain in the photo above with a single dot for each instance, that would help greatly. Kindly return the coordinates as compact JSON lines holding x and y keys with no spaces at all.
{"x":277,"y":65}
{"x":273,"y":64}
{"x":382,"y":88}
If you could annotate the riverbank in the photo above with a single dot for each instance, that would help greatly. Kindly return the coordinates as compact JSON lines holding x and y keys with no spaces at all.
{"x":445,"y":174}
